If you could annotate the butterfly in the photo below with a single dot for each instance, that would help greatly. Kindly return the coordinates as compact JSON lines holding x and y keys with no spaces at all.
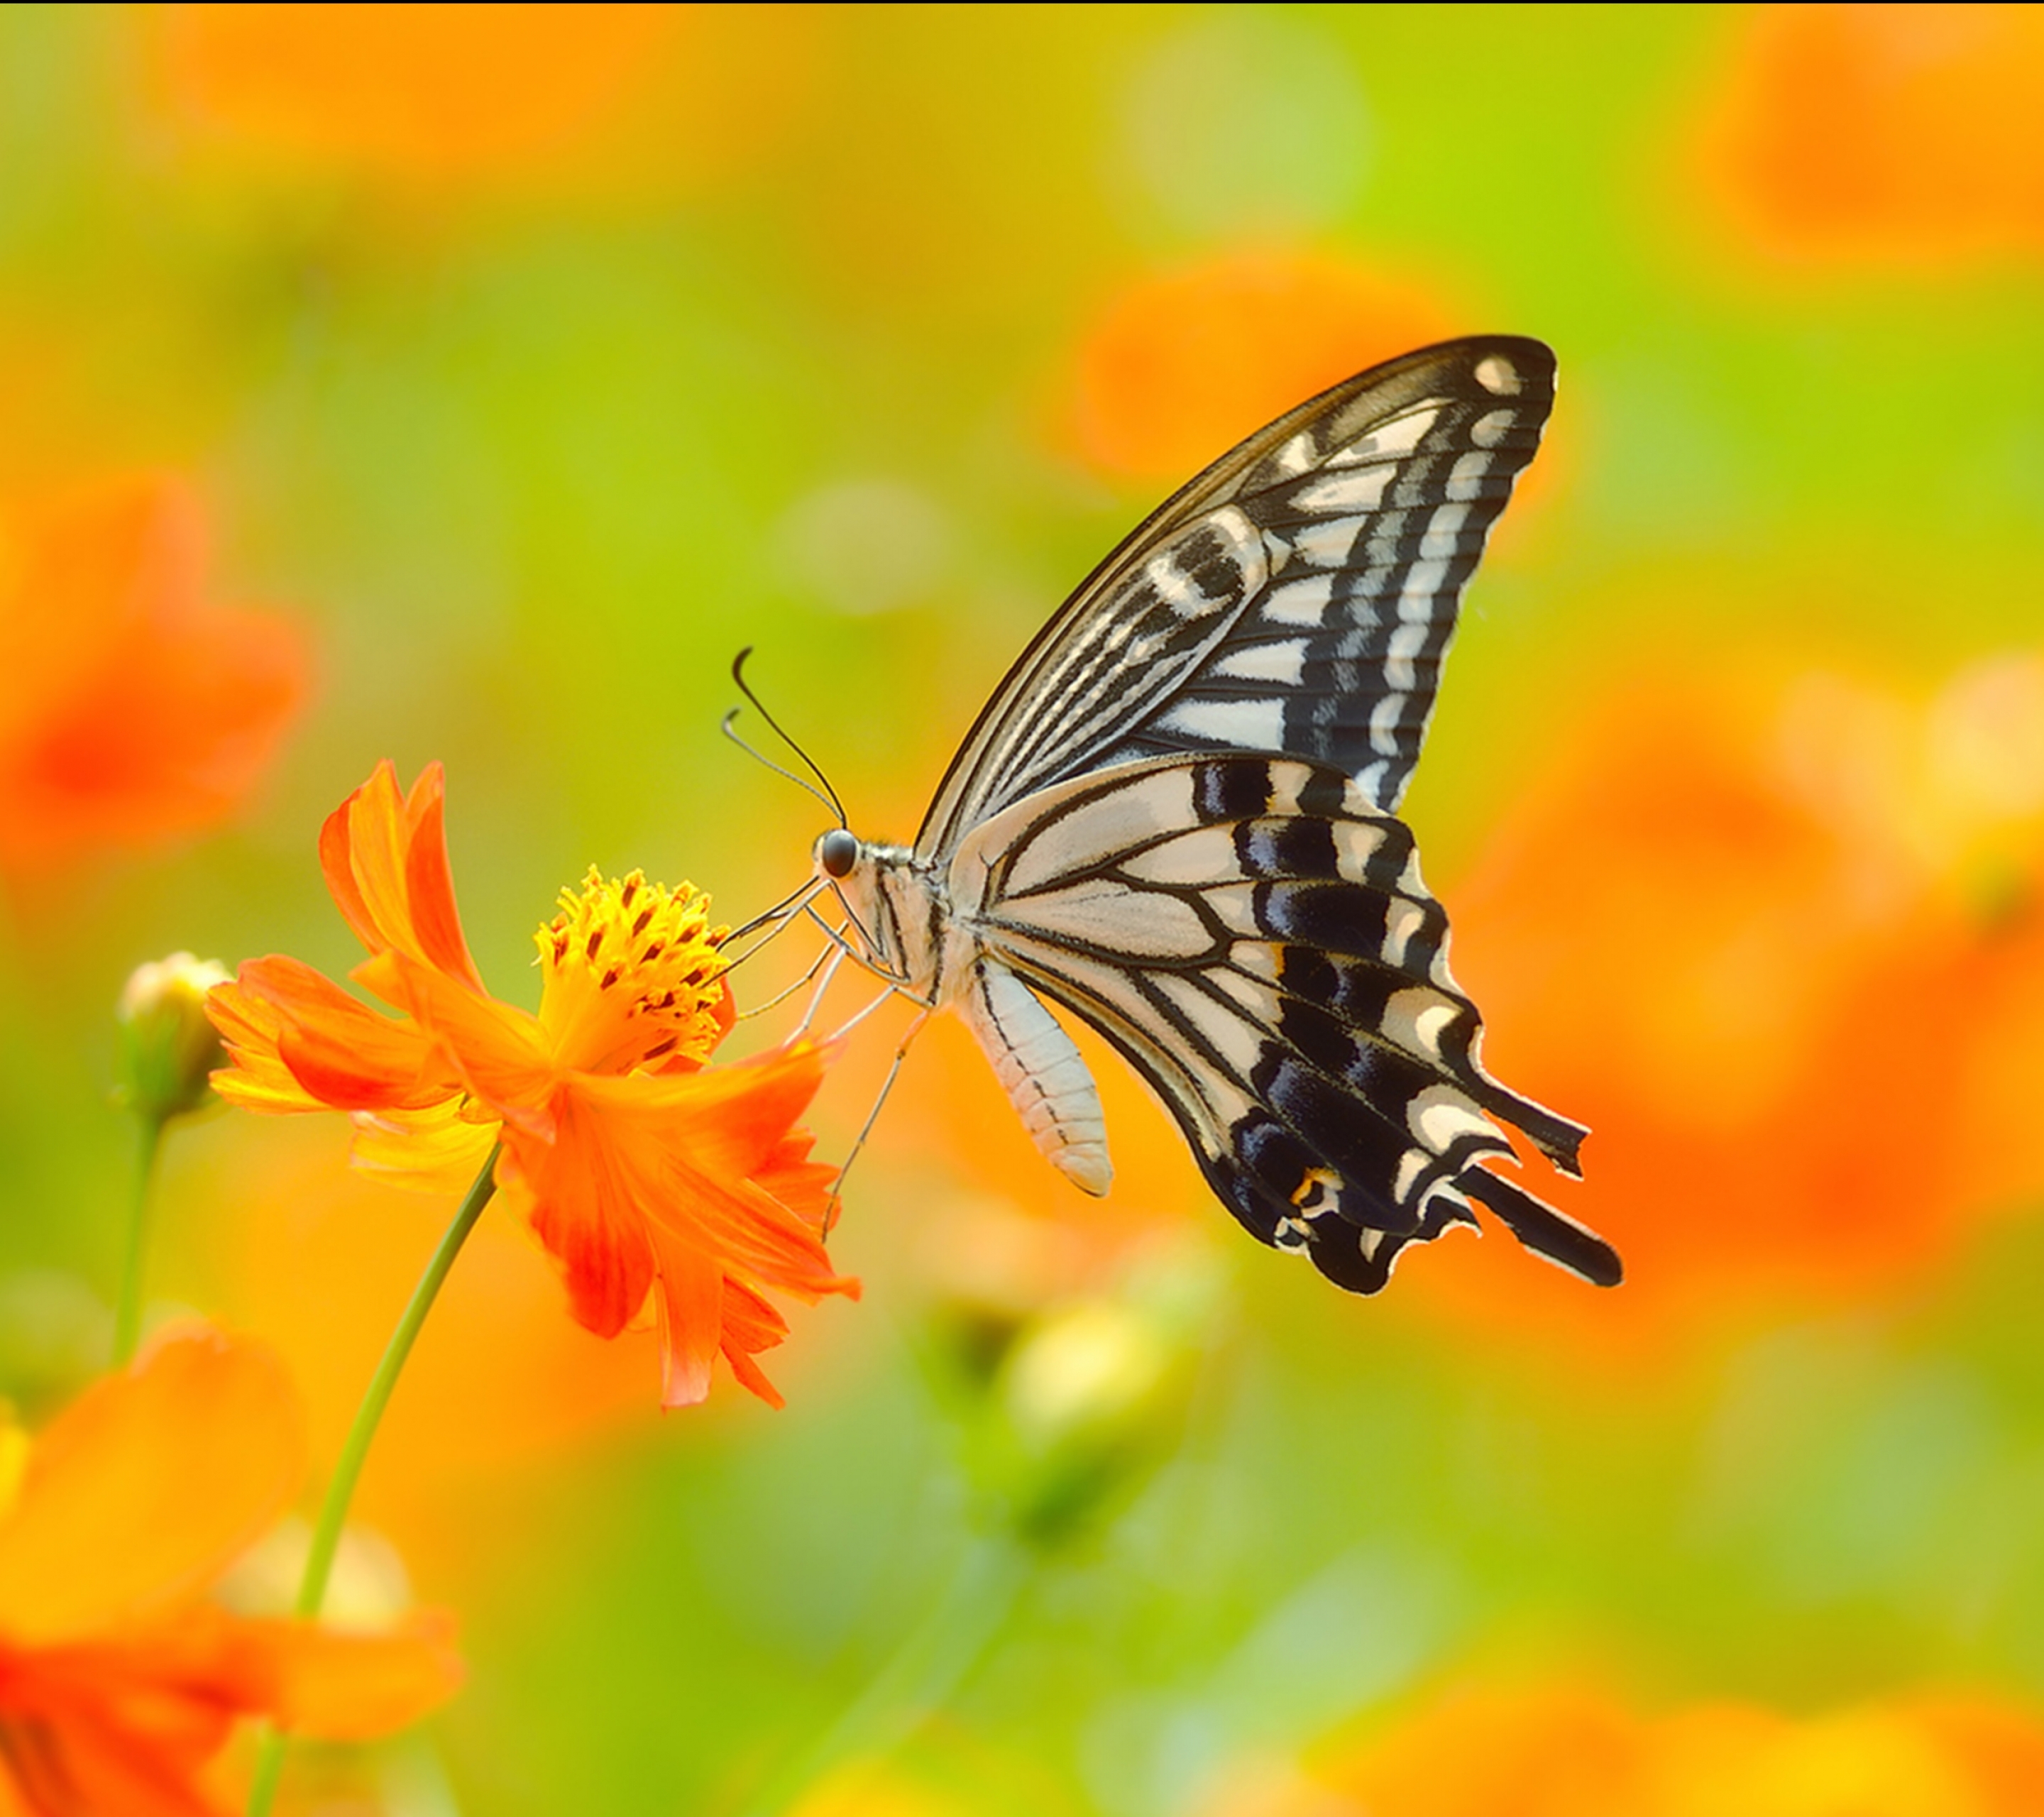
{"x":1175,"y":819}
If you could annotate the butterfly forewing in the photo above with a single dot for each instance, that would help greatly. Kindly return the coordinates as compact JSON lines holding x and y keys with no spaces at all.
{"x":1296,"y":598}
{"x":1254,"y":936}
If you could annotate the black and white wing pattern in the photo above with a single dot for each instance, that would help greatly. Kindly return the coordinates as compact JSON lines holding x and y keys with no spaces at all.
{"x":1175,"y":817}
{"x":1296,"y":598}
{"x":1255,"y":937}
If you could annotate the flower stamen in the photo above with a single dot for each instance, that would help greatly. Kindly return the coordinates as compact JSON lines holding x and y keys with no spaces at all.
{"x":612,"y":1014}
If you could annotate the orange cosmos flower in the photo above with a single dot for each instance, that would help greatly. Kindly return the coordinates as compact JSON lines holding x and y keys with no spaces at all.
{"x":1179,"y":366}
{"x":1735,"y":930}
{"x":1571,"y":1750}
{"x":119,"y":1684}
{"x":131,"y":709}
{"x":1897,"y":134}
{"x":428,"y":92}
{"x":659,"y":1186}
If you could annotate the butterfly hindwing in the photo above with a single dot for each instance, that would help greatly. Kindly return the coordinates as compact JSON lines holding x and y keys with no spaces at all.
{"x":1253,"y":934}
{"x":1296,"y":598}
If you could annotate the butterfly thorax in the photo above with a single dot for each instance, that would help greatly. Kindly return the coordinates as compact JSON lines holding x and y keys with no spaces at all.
{"x":918,"y":925}
{"x":898,"y":909}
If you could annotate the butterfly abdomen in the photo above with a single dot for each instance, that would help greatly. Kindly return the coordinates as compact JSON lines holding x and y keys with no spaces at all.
{"x":1042,"y":1074}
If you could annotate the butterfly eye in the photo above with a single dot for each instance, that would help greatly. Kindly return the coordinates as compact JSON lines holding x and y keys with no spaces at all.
{"x":837,"y":851}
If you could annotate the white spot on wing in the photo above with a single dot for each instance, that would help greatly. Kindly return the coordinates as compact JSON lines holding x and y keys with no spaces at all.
{"x":1444,"y":531}
{"x":1328,"y":545}
{"x":1441,"y":1115}
{"x":1498,"y":374}
{"x":1302,"y":602}
{"x":1175,"y":587}
{"x":1399,"y":436}
{"x":1407,"y":641}
{"x":1411,"y":1164}
{"x":1488,"y":431}
{"x":1466,"y":477}
{"x":1298,"y":455}
{"x":1370,"y":779}
{"x":1248,"y":725}
{"x":1383,"y":724}
{"x":1401,"y":922}
{"x":1423,"y":580}
{"x":1358,"y":491}
{"x":1415,"y":1019}
{"x":1284,"y":662}
{"x":1354,"y":846}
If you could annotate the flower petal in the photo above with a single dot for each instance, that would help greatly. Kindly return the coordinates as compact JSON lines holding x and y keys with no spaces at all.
{"x":384,"y":855}
{"x":689,"y":1296}
{"x":584,"y":1208}
{"x":497,"y":1049}
{"x":435,"y":1149}
{"x":148,"y":1485}
{"x":736,"y":1116}
{"x":365,"y":829}
{"x":429,"y":882}
{"x":340,"y":1052}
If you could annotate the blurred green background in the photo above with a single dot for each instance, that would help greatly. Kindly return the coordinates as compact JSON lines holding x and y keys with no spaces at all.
{"x":531,"y":361}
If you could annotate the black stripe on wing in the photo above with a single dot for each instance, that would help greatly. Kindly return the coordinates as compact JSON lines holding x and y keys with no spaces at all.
{"x":1371,"y":527}
{"x":1260,"y":945}
{"x":1297,"y":597}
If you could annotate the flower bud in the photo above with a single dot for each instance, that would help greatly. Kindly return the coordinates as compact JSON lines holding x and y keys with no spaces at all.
{"x":1091,"y":1397}
{"x":166,"y":1045}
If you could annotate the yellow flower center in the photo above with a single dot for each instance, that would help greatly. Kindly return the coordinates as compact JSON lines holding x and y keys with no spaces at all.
{"x":632,"y":975}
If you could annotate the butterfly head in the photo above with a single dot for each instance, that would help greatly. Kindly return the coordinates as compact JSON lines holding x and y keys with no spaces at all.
{"x":838,"y":853}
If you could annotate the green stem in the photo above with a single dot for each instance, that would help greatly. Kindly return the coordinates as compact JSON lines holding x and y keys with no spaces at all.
{"x":926,"y":1670}
{"x":128,"y":1313}
{"x":355,"y":1453}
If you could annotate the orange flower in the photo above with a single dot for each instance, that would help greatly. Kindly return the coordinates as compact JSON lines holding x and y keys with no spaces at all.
{"x":1572,"y":1750}
{"x":1733,"y":930}
{"x":130,"y":709}
{"x":1899,"y":133}
{"x":119,"y":1684}
{"x":429,"y":91}
{"x":1180,"y":366}
{"x":658,"y":1186}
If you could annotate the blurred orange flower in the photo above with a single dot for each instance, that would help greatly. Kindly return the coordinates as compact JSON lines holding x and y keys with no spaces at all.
{"x":431,"y":91}
{"x":131,"y":709}
{"x":1179,"y":367}
{"x":1721,"y":931}
{"x":656,"y":1184}
{"x":119,"y":1684}
{"x":1574,"y":1750}
{"x":1902,"y":132}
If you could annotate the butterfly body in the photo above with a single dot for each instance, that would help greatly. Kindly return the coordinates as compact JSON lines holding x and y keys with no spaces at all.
{"x":1175,"y":819}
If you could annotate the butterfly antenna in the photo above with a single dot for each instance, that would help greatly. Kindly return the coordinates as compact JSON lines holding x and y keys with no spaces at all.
{"x":759,"y":756}
{"x":829,"y":796}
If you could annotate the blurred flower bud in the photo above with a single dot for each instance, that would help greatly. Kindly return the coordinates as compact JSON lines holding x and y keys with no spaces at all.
{"x":1091,"y":1397}
{"x":369,"y":1591}
{"x":166,"y":1046}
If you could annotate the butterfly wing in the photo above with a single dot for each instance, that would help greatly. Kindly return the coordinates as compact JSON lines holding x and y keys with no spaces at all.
{"x":1296,"y":598}
{"x":1254,"y":935}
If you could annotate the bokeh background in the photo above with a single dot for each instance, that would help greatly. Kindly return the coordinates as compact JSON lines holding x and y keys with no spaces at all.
{"x":472,"y":383}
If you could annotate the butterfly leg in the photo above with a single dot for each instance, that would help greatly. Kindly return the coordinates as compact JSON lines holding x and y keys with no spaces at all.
{"x":873,"y":1115}
{"x":826,"y":956}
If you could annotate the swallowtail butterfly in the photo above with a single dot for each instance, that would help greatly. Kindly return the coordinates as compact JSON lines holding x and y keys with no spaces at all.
{"x":1176,"y":818}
